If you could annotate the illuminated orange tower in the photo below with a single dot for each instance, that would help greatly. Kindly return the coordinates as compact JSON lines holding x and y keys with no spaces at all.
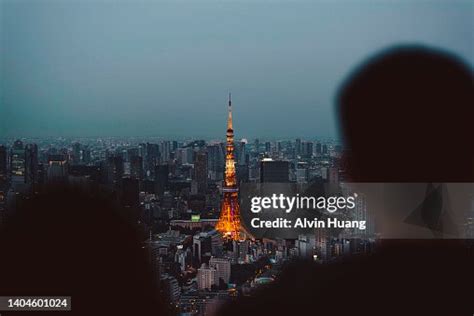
{"x":229,"y":219}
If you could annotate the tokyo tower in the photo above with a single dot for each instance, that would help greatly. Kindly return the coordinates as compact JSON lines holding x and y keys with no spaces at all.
{"x":229,"y":219}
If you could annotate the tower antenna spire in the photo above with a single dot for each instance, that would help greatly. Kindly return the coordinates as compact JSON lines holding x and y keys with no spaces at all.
{"x":229,"y":119}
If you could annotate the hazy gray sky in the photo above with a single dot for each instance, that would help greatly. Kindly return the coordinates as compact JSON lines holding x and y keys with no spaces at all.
{"x":164,"y":68}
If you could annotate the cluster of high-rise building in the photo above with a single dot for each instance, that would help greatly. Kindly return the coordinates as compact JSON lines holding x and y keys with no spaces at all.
{"x":185,"y":193}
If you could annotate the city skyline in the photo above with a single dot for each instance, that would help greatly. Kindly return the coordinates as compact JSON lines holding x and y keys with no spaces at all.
{"x":163,"y":68}
{"x":234,"y":157}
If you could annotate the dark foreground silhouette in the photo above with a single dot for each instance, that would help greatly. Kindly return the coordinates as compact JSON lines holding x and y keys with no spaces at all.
{"x":71,"y":243}
{"x":406,"y":116}
{"x":402,"y":278}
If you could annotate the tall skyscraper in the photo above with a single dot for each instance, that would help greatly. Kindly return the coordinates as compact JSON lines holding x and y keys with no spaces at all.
{"x":152,"y":158}
{"x":174,"y":145}
{"x":76,"y":153}
{"x":142,"y":150}
{"x":241,"y":153}
{"x":185,"y":155}
{"x":115,"y":170}
{"x":136,"y":167}
{"x":298,"y":146}
{"x":229,"y":220}
{"x":307,"y":149}
{"x":222,"y":266}
{"x":18,"y":165}
{"x":319,"y":150}
{"x":215,"y":162}
{"x":200,"y":172}
{"x":165,"y":150}
{"x":325,"y":149}
{"x":86,"y":155}
{"x":161,"y":178}
{"x":31,"y":163}
{"x":206,"y":277}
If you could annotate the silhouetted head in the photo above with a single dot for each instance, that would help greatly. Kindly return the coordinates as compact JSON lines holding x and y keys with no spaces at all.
{"x":407,"y":116}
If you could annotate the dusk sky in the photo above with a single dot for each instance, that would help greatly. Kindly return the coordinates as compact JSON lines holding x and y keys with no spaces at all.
{"x":164,"y":68}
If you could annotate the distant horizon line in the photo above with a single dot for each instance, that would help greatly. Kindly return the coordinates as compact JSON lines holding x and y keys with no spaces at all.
{"x":172,"y":137}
